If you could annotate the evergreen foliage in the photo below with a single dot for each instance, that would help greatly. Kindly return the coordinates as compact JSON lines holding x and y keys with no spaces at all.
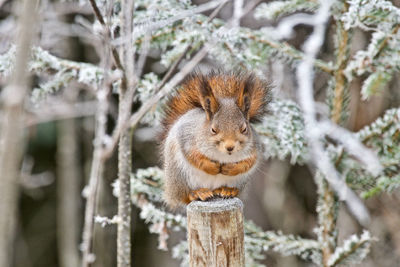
{"x":178,"y":28}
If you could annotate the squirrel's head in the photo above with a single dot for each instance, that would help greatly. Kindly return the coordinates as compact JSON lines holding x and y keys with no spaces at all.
{"x":229,"y":128}
{"x":227,"y":124}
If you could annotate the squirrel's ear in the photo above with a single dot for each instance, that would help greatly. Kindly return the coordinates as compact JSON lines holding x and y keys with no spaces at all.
{"x":244,"y":96}
{"x":246,"y":105}
{"x":207,"y":107}
{"x":208,"y":101}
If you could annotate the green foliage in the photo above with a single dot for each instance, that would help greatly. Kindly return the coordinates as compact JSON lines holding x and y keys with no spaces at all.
{"x":353,"y":251}
{"x":381,"y":58}
{"x":282,"y":132}
{"x":277,"y":9}
{"x":374,"y":83}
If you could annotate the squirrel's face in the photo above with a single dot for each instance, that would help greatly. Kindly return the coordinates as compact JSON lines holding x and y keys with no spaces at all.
{"x":228,"y":128}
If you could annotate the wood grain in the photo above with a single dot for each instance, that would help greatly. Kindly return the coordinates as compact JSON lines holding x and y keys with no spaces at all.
{"x":215,"y":233}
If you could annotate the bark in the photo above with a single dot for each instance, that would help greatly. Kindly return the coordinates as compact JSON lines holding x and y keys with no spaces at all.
{"x":68,"y":193}
{"x":12,"y":132}
{"x":215,"y":233}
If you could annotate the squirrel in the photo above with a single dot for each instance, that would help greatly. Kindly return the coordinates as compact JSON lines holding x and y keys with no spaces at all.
{"x":209,"y":147}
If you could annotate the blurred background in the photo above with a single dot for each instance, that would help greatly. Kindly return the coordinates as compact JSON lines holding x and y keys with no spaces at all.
{"x":282,"y":197}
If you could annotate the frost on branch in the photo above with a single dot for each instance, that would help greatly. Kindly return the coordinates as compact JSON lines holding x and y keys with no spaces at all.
{"x":383,"y":136}
{"x":277,"y":9}
{"x":145,"y":90}
{"x":353,"y":250}
{"x":257,"y":241}
{"x":104,"y":221}
{"x":7,"y":62}
{"x":236,"y":47}
{"x":147,"y":196}
{"x":382,"y":57}
{"x":282,"y":132}
{"x":60,"y":72}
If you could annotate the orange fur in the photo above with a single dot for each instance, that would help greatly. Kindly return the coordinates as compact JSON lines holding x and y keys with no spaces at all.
{"x":203,"y":163}
{"x":226,"y":192}
{"x":202,"y":194}
{"x":209,"y":166}
{"x":236,"y":168}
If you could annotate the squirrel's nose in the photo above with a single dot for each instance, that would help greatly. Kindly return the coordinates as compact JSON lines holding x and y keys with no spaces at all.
{"x":230,"y":148}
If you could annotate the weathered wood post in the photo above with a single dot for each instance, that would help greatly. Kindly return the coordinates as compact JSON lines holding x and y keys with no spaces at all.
{"x":215,"y":233}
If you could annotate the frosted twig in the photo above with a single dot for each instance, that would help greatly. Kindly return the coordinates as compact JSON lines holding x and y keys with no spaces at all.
{"x":352,"y":145}
{"x":237,"y":12}
{"x":96,"y":171}
{"x":285,"y":27}
{"x":97,"y":165}
{"x":305,"y":75}
{"x":104,"y":221}
{"x":354,"y":250}
{"x":146,"y":28}
{"x":100,"y":18}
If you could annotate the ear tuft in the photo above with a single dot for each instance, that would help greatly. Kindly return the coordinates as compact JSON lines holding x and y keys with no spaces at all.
{"x":207,"y":99}
{"x":246,"y":106}
{"x":207,"y":108}
{"x":244,"y":97}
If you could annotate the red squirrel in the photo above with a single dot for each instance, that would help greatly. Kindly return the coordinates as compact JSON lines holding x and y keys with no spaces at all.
{"x":209,"y":147}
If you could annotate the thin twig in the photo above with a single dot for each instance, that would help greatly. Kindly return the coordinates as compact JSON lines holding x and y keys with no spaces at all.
{"x":96,"y":173}
{"x":100,"y":18}
{"x":328,"y":216}
{"x":125,"y":141}
{"x":343,"y":41}
{"x":386,"y":40}
{"x":97,"y":12}
{"x":97,"y":165}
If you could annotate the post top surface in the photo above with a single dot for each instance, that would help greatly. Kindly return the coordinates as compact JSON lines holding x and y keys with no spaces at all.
{"x":215,"y":205}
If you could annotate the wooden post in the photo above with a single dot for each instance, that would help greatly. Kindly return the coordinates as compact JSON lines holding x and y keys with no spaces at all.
{"x":215,"y":233}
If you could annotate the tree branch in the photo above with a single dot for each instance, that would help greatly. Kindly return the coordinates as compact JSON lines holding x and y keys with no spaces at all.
{"x":12,"y":130}
{"x":125,"y":141}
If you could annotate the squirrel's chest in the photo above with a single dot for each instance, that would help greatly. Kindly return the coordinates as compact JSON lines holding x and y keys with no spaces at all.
{"x":197,"y":178}
{"x":200,"y":179}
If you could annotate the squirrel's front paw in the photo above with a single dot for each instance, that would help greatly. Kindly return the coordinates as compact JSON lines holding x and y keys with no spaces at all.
{"x":232,"y":169}
{"x":226,"y":192}
{"x":202,"y":194}
{"x":210,"y":167}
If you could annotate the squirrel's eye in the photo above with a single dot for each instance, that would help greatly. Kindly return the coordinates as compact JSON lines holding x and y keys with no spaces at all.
{"x":243,"y":129}
{"x":213,"y":130}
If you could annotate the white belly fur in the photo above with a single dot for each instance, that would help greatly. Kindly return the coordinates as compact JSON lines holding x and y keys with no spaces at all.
{"x":200,"y":179}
